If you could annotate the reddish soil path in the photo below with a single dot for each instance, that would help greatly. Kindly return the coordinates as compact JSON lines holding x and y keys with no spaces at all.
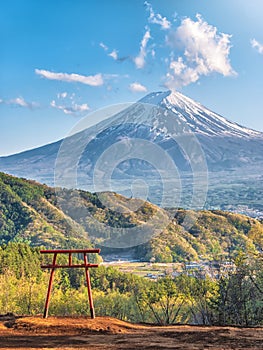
{"x":105,"y":333}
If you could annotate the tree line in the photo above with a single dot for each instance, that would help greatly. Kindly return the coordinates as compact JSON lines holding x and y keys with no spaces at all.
{"x":236,"y":298}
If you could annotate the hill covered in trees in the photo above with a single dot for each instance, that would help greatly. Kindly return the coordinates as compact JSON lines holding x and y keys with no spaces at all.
{"x":233,"y":299}
{"x":30,"y":218}
{"x":30,"y":212}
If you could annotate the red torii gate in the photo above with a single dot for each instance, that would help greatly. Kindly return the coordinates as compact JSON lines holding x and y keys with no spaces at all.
{"x":54,"y":266}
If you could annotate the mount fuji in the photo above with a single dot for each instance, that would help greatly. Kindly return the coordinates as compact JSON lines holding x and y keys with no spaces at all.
{"x":199,"y":118}
{"x":227,"y":145}
{"x":163,"y":130}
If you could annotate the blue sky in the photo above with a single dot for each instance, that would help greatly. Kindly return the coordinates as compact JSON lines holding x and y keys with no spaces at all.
{"x":61,"y":60}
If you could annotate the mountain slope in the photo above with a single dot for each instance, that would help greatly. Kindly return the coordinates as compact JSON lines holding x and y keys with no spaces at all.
{"x":225,"y":143}
{"x":216,"y":234}
{"x":27,"y":213}
{"x":164,"y":133}
{"x":30,"y":212}
{"x":199,"y":118}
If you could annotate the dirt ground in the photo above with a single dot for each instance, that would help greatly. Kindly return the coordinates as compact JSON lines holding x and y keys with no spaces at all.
{"x":105,"y":333}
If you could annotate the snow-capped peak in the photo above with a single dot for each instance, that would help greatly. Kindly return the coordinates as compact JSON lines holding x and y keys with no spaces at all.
{"x":199,"y":118}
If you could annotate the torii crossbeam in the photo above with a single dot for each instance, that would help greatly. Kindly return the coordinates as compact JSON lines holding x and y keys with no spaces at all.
{"x":86,"y":265}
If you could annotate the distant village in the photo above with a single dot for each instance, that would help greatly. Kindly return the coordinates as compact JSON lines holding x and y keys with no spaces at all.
{"x":154,"y":271}
{"x":211,"y":269}
{"x":245,"y":210}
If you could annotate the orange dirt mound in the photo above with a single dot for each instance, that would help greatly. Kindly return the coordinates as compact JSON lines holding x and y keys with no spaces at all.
{"x":74,"y":325}
{"x":106,"y":333}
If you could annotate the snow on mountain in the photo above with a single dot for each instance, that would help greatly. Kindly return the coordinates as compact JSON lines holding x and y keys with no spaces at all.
{"x":225,"y":144}
{"x":200,"y":119}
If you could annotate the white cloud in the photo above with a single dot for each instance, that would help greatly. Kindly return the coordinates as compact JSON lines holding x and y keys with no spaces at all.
{"x":73,"y":109}
{"x":92,"y":80}
{"x":156,"y":18}
{"x":114,"y":54}
{"x":137,"y":87}
{"x":105,"y":47}
{"x":140,"y":59}
{"x":257,"y":45}
{"x":62,"y":95}
{"x":19,"y":102}
{"x":205,"y":51}
{"x":181,"y":75}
